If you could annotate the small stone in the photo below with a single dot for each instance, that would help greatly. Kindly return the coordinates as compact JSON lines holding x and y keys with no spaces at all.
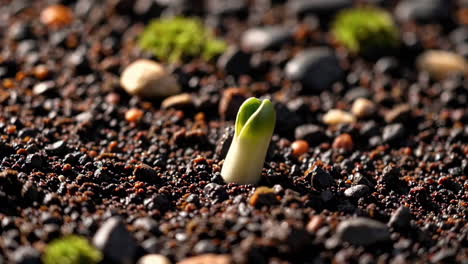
{"x":34,"y":160}
{"x":222,"y":147}
{"x":143,"y":172}
{"x":154,"y":259}
{"x":343,"y":141}
{"x":179,"y":101}
{"x":363,"y":108}
{"x":44,"y":88}
{"x":336,"y":117}
{"x":57,"y":15}
{"x":313,"y":134}
{"x":115,"y":241}
{"x":299,"y":147}
{"x":207,"y":258}
{"x":423,"y":11}
{"x":56,"y":148}
{"x":150,"y":79}
{"x":387,"y":65}
{"x":134,"y":115}
{"x":441,"y":64}
{"x":157,"y":202}
{"x":26,"y":255}
{"x":263,"y":196}
{"x":230,"y":103}
{"x":362,"y":232}
{"x":235,"y":61}
{"x":401,"y":218}
{"x":318,"y":7}
{"x":315,"y":223}
{"x":41,"y":72}
{"x":399,"y":114}
{"x":226,"y":7}
{"x":357,"y":191}
{"x":393,"y":133}
{"x":258,"y":39}
{"x":316,"y":68}
{"x":321,"y":179}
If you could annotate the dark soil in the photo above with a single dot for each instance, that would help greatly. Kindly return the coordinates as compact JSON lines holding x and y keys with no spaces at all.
{"x":69,"y":159}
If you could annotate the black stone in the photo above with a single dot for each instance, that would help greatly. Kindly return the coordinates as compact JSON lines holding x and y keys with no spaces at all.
{"x":313,"y":134}
{"x":321,"y":179}
{"x":393,"y":133}
{"x":357,"y":191}
{"x":401,"y":218}
{"x":235,"y":61}
{"x":264,"y":38}
{"x":362,"y":232}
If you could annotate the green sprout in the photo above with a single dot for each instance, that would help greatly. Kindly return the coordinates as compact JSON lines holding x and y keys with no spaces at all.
{"x":366,"y":30}
{"x":254,"y":127}
{"x":71,"y":250}
{"x":178,"y":38}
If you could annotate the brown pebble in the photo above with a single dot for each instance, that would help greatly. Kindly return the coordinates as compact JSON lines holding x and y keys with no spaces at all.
{"x":263,"y":196}
{"x":315,"y":223}
{"x":57,"y":16}
{"x":41,"y":72}
{"x":231,"y":100}
{"x":343,"y":141}
{"x":134,"y":115}
{"x":11,"y":129}
{"x":299,"y":147}
{"x":67,"y":167}
{"x":207,"y":258}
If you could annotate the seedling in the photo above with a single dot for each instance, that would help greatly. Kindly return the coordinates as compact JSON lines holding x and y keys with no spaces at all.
{"x":175,"y":39}
{"x":366,"y":30}
{"x":71,"y":250}
{"x":254,"y":127}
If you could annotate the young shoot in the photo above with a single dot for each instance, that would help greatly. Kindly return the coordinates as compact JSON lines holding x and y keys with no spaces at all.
{"x":254,"y":127}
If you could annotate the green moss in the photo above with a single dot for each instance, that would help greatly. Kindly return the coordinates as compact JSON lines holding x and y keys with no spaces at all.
{"x":71,"y":250}
{"x":174,"y":39}
{"x":366,"y":29}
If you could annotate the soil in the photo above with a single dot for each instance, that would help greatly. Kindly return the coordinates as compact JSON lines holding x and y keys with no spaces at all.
{"x":391,"y":187}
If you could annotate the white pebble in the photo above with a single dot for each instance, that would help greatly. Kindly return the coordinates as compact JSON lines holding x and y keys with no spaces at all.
{"x":336,"y":117}
{"x":441,"y":64}
{"x":363,"y":107}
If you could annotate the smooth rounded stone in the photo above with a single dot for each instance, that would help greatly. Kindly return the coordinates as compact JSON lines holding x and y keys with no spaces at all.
{"x":207,"y":258}
{"x":401,"y":218}
{"x":318,"y":7}
{"x":226,"y":7}
{"x":399,"y":114}
{"x":362,"y":232}
{"x":441,"y":64}
{"x":263,"y":38}
{"x":26,"y":255}
{"x":393,"y":133}
{"x":148,"y":79}
{"x":336,"y":117}
{"x":313,"y":134}
{"x":363,"y":108}
{"x":43,"y":88}
{"x":179,"y":101}
{"x":316,"y":68}
{"x":235,"y":61}
{"x":422,"y":10}
{"x":154,"y":259}
{"x":357,"y":191}
{"x":115,"y":241}
{"x":321,"y":179}
{"x":387,"y":65}
{"x":357,"y":92}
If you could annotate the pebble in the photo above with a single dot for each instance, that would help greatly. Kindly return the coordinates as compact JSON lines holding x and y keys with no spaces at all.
{"x":230,"y":102}
{"x":399,"y":114}
{"x":223,"y":144}
{"x":56,"y":148}
{"x":143,"y":172}
{"x":401,"y":218}
{"x":336,"y":117}
{"x":320,"y":179}
{"x":318,"y":7}
{"x":422,"y":10}
{"x":26,"y":255}
{"x":226,"y":7}
{"x":207,"y":258}
{"x":441,"y":64}
{"x":44,"y":88}
{"x":392,"y":133}
{"x":363,"y":108}
{"x":150,"y":79}
{"x":299,"y":147}
{"x":316,"y":68}
{"x":154,"y":259}
{"x":179,"y":101}
{"x":357,"y":191}
{"x":264,"y":38}
{"x":56,"y":15}
{"x":313,"y":134}
{"x":115,"y":241}
{"x":343,"y":141}
{"x":134,"y":115}
{"x":362,"y":232}
{"x":263,"y":196}
{"x":235,"y":61}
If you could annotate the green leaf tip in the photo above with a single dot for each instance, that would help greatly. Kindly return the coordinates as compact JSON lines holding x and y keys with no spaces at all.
{"x":254,"y":128}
